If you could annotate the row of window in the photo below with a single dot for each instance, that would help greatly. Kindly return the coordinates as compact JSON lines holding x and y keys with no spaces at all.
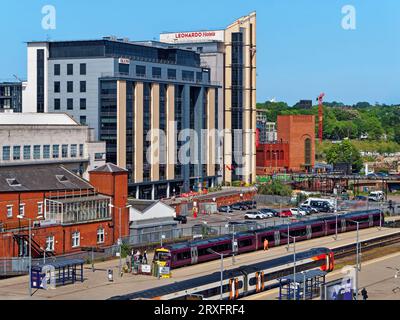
{"x":21,"y":209}
{"x":76,"y":239}
{"x":70,"y":86}
{"x":156,"y":72}
{"x":70,"y":104}
{"x":70,"y":69}
{"x":40,"y":152}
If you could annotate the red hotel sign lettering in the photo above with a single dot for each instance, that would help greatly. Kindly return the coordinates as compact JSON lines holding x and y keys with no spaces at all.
{"x":195,"y":34}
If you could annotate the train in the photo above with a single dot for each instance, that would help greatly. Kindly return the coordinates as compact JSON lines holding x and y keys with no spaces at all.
{"x":239,"y":282}
{"x":200,"y":251}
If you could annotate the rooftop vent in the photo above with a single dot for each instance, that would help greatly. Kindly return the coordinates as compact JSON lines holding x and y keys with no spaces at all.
{"x":62,"y":178}
{"x":13,"y":182}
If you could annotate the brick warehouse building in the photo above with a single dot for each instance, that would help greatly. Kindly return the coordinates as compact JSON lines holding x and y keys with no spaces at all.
{"x":294,"y":149}
{"x":75,"y":213}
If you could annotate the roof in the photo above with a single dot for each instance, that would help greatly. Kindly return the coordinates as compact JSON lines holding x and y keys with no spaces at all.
{"x":142,"y":205}
{"x":15,"y":119}
{"x":60,"y":263}
{"x":48,"y":177}
{"x":109,"y":167}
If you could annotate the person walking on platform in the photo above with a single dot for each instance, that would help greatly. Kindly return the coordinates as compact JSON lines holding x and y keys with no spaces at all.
{"x":266,"y":245}
{"x":145,"y":257}
{"x":364,"y":294}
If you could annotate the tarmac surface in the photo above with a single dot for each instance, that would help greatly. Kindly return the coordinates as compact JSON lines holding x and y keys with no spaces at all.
{"x":97,"y":287}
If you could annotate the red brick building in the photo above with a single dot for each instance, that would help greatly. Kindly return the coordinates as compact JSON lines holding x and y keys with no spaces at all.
{"x":67,"y":212}
{"x":294,"y":149}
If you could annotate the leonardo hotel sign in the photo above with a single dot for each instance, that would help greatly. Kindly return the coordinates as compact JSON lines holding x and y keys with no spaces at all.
{"x":195,"y":36}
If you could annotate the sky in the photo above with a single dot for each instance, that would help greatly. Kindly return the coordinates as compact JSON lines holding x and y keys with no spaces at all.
{"x":302,"y":47}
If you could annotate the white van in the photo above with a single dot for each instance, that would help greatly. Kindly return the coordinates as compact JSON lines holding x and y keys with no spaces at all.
{"x":376,"y":196}
{"x":322,"y":205}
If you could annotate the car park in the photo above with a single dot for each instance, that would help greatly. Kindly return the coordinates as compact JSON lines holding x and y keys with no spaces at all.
{"x":225,"y":209}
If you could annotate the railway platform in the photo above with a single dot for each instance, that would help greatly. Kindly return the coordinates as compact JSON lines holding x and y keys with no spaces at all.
{"x":97,"y":287}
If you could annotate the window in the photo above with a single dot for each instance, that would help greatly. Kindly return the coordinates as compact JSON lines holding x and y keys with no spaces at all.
{"x":56,"y":151}
{"x":82,"y":120}
{"x":70,"y":104}
{"x":50,"y":243}
{"x":76,"y":239}
{"x":124,"y":68}
{"x":99,"y":156}
{"x":57,"y":104}
{"x":16,"y":153}
{"x":57,"y":87}
{"x":22,"y":209}
{"x":199,"y":76}
{"x":40,"y":208}
{"x":46,"y":152}
{"x":171,"y":74}
{"x":187,"y":75}
{"x":9,"y":211}
{"x":83,"y":86}
{"x":156,"y":72}
{"x":70,"y":86}
{"x":100,"y":235}
{"x":82,"y":104}
{"x":27,"y":152}
{"x":6,"y":153}
{"x":57,"y":70}
{"x":70,"y":69}
{"x":81,"y":150}
{"x":141,"y":71}
{"x":73,"y":150}
{"x":64,"y":151}
{"x":36,"y":152}
{"x":307,"y":151}
{"x":82,"y":69}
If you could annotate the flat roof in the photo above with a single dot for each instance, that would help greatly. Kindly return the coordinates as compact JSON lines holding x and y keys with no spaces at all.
{"x":18,"y":119}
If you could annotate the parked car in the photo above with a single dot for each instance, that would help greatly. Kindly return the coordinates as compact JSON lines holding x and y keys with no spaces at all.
{"x":181,"y":219}
{"x":285,"y":213}
{"x":308,"y":209}
{"x":360,"y":198}
{"x":269,"y":212}
{"x":250,"y":204}
{"x":297,"y":212}
{"x":239,"y":206}
{"x":254,"y":215}
{"x":225,"y":209}
{"x":376,"y":196}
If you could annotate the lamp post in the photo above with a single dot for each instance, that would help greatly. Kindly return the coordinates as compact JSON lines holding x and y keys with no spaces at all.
{"x":294,"y":260}
{"x":304,"y":284}
{"x":336,"y":229}
{"x":222,"y":268}
{"x":21,"y":217}
{"x":120,"y":237}
{"x":358,"y":256}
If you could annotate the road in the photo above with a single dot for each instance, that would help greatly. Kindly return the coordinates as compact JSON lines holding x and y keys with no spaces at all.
{"x":377,"y":276}
{"x":97,"y":287}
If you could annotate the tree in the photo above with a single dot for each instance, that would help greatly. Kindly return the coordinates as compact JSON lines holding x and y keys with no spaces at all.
{"x":345,"y":152}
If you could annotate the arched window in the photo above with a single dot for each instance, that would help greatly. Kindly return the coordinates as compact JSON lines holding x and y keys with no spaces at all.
{"x":282,"y":155}
{"x":307,"y":151}
{"x":268,"y":155}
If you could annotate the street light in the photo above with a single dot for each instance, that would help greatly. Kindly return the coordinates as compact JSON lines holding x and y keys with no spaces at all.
{"x":120,"y":232}
{"x":294,"y":260}
{"x":233,"y":240}
{"x":336,"y":231}
{"x":222,"y":267}
{"x":304,"y":284}
{"x":21,"y":217}
{"x":358,"y":256}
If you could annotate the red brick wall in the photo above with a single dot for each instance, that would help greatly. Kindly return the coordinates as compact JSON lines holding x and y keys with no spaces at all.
{"x":267,"y":156}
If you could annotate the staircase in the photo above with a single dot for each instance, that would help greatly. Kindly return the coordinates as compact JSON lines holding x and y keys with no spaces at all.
{"x":37,"y":252}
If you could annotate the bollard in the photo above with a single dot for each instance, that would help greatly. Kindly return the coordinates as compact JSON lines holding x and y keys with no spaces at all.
{"x":110,"y":275}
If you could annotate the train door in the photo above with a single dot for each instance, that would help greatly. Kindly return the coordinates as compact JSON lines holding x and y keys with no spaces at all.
{"x":233,"y":289}
{"x":371,"y":220}
{"x":343,"y":225}
{"x":260,"y":284}
{"x":195,"y":255}
{"x":309,"y":232}
{"x":256,"y":235}
{"x":277,"y":238}
{"x":326,"y":228}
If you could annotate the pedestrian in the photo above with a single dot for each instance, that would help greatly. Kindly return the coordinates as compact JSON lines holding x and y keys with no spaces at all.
{"x":128,"y":262}
{"x":265,"y":245}
{"x":145,"y":256}
{"x":364,"y":294}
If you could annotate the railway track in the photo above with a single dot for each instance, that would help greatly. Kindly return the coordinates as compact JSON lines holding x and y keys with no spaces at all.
{"x":366,"y":245}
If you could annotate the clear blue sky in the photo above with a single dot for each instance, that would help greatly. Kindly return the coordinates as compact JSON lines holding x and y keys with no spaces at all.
{"x":302,"y":48}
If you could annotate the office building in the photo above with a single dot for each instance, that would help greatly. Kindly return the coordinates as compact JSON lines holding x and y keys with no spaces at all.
{"x":231,"y":55}
{"x":32,"y":138}
{"x":11,"y":97}
{"x":266,"y":130}
{"x":125,"y":91}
